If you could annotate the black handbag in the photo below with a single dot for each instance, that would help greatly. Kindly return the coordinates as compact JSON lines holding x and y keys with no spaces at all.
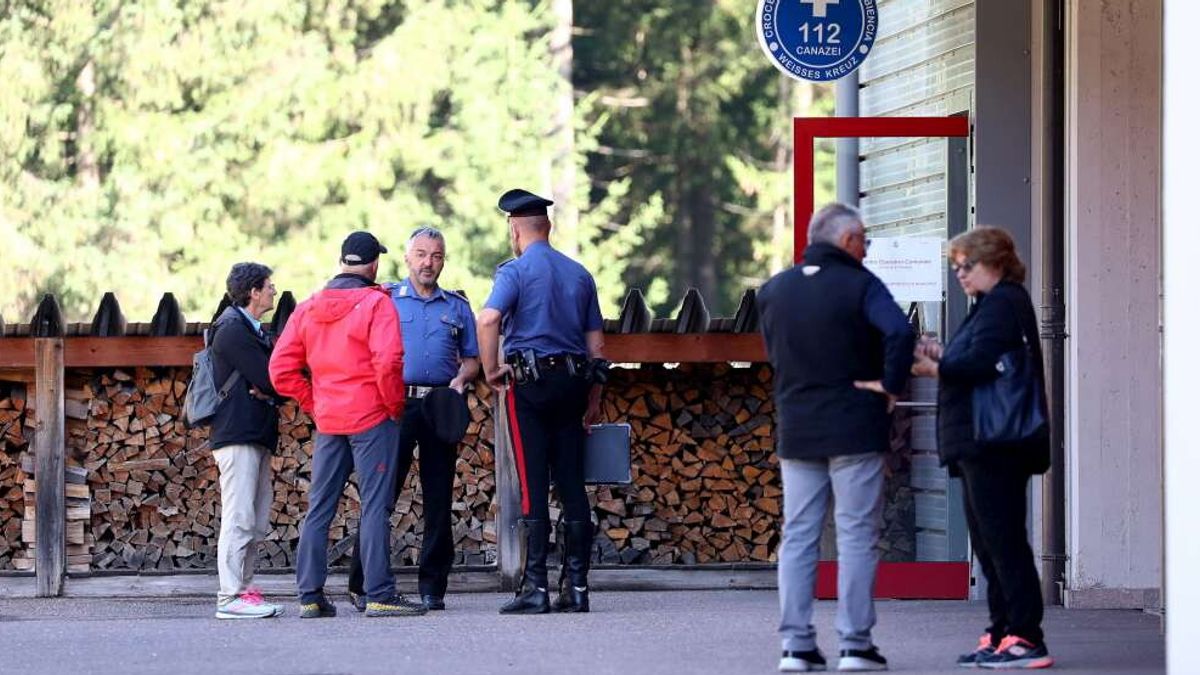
{"x":1011,"y":408}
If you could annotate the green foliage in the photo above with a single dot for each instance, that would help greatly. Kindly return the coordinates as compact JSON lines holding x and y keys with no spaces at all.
{"x":145,"y":147}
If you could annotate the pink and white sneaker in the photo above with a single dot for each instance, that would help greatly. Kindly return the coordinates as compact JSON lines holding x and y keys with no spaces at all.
{"x":248,"y":605}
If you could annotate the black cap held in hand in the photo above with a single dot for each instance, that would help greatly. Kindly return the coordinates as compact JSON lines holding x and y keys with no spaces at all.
{"x":523,"y":203}
{"x":447,"y":412}
{"x":361,"y":248}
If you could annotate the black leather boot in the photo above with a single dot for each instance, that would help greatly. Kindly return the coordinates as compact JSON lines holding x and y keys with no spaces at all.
{"x":572,"y":586}
{"x":532,"y":597}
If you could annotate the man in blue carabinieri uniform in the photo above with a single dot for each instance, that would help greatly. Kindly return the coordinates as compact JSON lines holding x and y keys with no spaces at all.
{"x":546,"y":305}
{"x":440,"y":350}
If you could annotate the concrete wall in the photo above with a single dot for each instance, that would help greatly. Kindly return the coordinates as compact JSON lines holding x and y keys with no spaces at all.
{"x":1114,"y":232}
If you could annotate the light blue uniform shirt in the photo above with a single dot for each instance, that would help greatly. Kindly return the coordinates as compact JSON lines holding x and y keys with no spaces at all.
{"x":548,"y":302}
{"x":438,"y":332}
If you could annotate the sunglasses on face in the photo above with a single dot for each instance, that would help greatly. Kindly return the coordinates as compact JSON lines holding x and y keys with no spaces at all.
{"x":965,"y":267}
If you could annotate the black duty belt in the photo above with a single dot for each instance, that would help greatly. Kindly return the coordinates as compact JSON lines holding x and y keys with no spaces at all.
{"x":419,"y":391}
{"x":568,"y":362}
{"x":530,"y":368}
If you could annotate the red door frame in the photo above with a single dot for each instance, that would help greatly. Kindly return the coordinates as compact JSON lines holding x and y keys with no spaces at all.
{"x":805,"y":131}
{"x":914,"y":580}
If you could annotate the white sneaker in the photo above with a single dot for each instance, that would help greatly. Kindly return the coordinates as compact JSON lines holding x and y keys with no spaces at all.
{"x":248,"y":605}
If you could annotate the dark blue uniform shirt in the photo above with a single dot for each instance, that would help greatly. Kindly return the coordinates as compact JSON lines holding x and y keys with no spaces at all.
{"x":438,"y":332}
{"x":548,"y":302}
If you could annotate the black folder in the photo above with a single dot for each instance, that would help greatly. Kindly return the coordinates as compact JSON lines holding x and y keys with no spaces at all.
{"x":606,"y":455}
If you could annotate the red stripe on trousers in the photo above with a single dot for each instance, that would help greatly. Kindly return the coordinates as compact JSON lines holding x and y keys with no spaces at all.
{"x":518,"y":449}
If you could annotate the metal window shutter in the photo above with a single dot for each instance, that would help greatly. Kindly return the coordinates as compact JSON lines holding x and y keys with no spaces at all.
{"x":923,"y":64}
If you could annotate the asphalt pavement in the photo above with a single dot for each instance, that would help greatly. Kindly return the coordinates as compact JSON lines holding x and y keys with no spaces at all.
{"x":687,"y":632}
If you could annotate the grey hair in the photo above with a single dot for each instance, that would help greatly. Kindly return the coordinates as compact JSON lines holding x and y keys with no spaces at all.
{"x":426,"y":231}
{"x":832,"y":222}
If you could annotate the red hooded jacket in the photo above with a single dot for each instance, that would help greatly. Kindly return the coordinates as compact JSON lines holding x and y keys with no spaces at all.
{"x":347,"y":338}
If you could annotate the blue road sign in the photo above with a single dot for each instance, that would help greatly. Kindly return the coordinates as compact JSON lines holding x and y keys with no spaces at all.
{"x":818,"y":40}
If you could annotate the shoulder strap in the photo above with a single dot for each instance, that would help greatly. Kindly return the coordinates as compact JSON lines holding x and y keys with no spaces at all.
{"x":227,"y":386}
{"x":229,"y":382}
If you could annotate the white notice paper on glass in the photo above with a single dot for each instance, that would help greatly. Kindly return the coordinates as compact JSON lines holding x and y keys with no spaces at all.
{"x":912,"y":268}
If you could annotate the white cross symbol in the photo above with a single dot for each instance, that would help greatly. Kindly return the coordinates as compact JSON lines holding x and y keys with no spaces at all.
{"x":820,"y":7}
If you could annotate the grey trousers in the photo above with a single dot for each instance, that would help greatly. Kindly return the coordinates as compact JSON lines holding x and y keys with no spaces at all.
{"x":857,"y":484}
{"x":372,"y":455}
{"x":245,"y":472}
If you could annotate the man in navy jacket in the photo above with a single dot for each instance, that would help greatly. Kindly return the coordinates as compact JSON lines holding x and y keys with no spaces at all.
{"x":841,"y":350}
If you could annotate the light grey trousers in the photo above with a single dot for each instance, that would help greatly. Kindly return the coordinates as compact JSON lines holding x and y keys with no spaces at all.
{"x":857,"y":487}
{"x":245,"y":472}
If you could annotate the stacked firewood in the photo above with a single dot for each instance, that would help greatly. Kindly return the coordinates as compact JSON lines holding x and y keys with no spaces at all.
{"x":14,"y":442}
{"x":156,"y":490}
{"x":153,"y":485}
{"x":706,"y":484}
{"x":78,"y":503}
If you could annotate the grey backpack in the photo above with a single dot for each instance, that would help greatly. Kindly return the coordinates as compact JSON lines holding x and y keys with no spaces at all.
{"x":202,"y":397}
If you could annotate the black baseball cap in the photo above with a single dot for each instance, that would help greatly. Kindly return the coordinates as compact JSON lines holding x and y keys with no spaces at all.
{"x":361,"y":248}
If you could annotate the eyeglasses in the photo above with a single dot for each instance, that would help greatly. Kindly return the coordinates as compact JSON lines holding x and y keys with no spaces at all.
{"x":965,"y":268}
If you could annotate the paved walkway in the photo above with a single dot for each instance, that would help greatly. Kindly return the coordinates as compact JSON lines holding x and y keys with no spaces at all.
{"x":689,"y":632}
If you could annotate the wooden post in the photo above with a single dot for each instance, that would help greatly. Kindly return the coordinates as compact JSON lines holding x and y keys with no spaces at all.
{"x":510,"y":545}
{"x":50,"y":452}
{"x":510,"y":542}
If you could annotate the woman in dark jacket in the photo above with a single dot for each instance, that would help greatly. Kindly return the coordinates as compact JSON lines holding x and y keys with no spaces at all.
{"x":244,"y":434}
{"x":994,"y":476}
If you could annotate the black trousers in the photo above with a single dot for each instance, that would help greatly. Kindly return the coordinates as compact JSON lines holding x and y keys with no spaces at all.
{"x":437,"y":485}
{"x":546,"y":420}
{"x":994,"y":500}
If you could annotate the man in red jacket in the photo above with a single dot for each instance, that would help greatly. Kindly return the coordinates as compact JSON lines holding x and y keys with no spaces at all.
{"x":341,"y":357}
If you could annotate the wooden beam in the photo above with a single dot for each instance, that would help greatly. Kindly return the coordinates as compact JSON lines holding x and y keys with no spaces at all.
{"x":24,"y":375}
{"x":687,"y":348}
{"x":16,"y":353}
{"x":89,"y":352}
{"x":109,"y":352}
{"x":49,"y":447}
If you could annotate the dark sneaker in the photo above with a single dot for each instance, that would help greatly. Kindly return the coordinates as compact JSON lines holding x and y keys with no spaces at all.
{"x":397,"y":605}
{"x":810,"y":661}
{"x":359,"y":601}
{"x":984,"y":649}
{"x":862,"y":659}
{"x":433,"y":602}
{"x":321,"y":608}
{"x":1015,"y":653}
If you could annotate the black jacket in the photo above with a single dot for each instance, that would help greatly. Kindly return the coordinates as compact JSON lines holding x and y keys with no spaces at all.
{"x":243,"y":418}
{"x":993,"y":327}
{"x":827,"y":323}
